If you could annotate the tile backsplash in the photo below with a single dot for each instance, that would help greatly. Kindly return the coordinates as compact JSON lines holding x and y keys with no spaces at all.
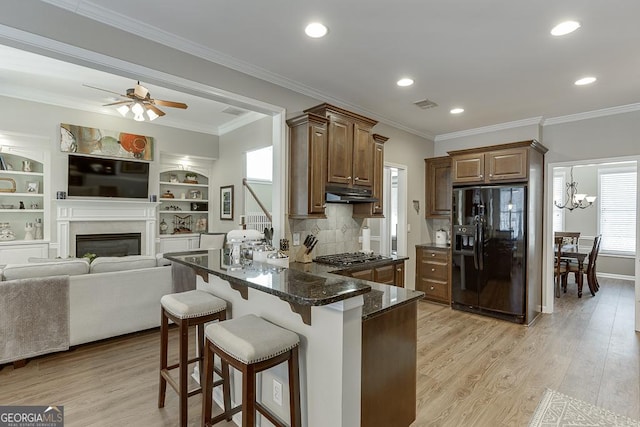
{"x":338,"y":233}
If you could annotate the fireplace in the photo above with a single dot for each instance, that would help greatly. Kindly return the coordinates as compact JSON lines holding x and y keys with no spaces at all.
{"x":112,"y":244}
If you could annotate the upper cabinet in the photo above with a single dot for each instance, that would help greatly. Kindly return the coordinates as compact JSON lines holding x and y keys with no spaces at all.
{"x":307,"y":166}
{"x":498,"y":163}
{"x":350,"y":146}
{"x":374,"y":209}
{"x":438,"y":187}
{"x":329,"y":145}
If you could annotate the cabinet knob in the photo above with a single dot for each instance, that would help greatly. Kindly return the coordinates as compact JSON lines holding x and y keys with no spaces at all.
{"x":356,"y":178}
{"x":433,"y":269}
{"x":490,"y":175}
{"x":431,"y":288}
{"x":349,"y":177}
{"x":324,"y":206}
{"x":377,"y":206}
{"x":398,"y":269}
{"x":433,"y":254}
{"x":481,"y":176}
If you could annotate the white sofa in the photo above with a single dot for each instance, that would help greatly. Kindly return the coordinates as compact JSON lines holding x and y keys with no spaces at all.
{"x":109,"y":297}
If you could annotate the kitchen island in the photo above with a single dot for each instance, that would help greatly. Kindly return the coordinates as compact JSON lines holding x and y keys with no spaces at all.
{"x":330,"y":313}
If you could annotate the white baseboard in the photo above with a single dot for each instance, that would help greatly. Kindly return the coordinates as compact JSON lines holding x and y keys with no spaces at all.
{"x":616,"y":276}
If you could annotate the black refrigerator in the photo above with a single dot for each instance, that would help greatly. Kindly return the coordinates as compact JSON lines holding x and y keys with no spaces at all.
{"x":489,"y":246}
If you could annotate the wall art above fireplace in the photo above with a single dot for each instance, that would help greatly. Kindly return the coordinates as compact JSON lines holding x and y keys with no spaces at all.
{"x":102,"y":142}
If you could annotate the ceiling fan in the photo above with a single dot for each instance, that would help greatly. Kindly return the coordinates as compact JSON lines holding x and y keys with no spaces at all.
{"x":140,"y":103}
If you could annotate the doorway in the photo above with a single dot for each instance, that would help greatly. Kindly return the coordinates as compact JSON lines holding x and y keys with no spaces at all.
{"x":597,"y":178}
{"x":393,"y":229}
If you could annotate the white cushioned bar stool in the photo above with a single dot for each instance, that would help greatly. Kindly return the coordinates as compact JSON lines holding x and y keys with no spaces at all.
{"x":185,"y":309}
{"x":251,"y":345}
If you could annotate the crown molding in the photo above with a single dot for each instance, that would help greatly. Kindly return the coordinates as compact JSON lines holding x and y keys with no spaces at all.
{"x":243,"y":120}
{"x":592,"y":114}
{"x":141,"y":29}
{"x":491,"y":128}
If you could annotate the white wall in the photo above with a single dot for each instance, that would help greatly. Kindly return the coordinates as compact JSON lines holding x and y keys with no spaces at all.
{"x":229,"y":169}
{"x":44,"y":120}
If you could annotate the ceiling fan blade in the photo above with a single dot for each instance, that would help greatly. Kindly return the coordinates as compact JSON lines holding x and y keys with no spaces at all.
{"x":105,"y":90}
{"x":155,"y":109}
{"x":170,"y":103}
{"x":117,"y":103}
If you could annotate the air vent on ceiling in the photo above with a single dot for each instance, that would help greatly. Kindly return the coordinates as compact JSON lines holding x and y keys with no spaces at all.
{"x":234,"y":111}
{"x":425,"y":104}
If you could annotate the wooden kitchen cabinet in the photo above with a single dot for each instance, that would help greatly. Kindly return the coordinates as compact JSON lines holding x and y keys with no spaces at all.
{"x":307,"y":166}
{"x":350,"y":146}
{"x":375,"y":209}
{"x":498,"y":163}
{"x":391,"y":273}
{"x":438,"y":187}
{"x":433,"y":267}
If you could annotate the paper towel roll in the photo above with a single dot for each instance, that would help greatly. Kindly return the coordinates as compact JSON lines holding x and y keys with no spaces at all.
{"x":366,"y":239}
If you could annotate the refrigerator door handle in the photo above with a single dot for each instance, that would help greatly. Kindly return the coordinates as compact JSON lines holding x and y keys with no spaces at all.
{"x":476,"y":224}
{"x":481,"y":244}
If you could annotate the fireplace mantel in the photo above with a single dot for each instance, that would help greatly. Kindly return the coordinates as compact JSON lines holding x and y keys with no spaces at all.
{"x":140,"y":213}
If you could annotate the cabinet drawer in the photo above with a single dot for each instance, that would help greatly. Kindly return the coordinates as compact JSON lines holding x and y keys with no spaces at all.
{"x":434,"y":270}
{"x":385,"y":274}
{"x":434,"y":255}
{"x":435,"y":289}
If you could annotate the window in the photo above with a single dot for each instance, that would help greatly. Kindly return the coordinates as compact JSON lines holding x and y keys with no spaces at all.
{"x":617,"y":210}
{"x":559,"y":197}
{"x":260,"y":164}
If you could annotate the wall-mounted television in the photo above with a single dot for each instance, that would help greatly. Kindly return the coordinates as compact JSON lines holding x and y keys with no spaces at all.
{"x":101,"y":177}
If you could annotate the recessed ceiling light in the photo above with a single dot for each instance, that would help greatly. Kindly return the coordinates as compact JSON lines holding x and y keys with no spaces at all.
{"x":404,"y":82}
{"x":585,"y":81}
{"x":457,"y":110}
{"x":564,"y":28}
{"x":315,"y":30}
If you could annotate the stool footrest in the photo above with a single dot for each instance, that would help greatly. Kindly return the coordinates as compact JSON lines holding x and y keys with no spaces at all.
{"x":225,"y":415}
{"x":273,"y":418}
{"x":176,"y":386}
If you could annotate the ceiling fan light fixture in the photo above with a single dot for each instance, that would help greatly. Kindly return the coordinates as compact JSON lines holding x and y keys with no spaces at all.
{"x":123,"y":110}
{"x":138,"y":118}
{"x":137,"y":109}
{"x":152,"y":115}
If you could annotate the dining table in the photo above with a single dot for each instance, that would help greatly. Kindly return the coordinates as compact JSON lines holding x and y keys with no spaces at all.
{"x":570,"y":252}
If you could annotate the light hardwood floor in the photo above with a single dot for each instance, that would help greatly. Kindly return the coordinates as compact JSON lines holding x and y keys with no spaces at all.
{"x":472,"y":370}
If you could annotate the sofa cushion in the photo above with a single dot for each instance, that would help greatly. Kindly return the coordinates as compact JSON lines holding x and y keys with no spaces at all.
{"x":106,"y":264}
{"x":40,"y":260}
{"x":161,"y":261}
{"x":71,"y":267}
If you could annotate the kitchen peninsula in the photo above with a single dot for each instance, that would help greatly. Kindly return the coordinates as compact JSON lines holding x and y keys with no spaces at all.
{"x":348,"y":329}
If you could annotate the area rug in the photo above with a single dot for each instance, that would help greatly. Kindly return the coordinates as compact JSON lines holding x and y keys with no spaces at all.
{"x":557,"y":409}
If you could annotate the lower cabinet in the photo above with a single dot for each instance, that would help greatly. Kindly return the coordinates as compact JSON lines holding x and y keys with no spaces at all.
{"x":433,"y":266}
{"x":178,"y":242}
{"x":389,"y":274}
{"x":19,"y":252}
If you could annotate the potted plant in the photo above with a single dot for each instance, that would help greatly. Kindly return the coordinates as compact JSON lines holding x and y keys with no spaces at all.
{"x":191,"y":178}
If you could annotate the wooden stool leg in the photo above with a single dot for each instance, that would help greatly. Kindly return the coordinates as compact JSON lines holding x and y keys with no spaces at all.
{"x":184,"y":357}
{"x":294,"y":389}
{"x":200,"y":335}
{"x":226,"y":388}
{"x":164,"y":342}
{"x":248,"y":396}
{"x":207,"y":386}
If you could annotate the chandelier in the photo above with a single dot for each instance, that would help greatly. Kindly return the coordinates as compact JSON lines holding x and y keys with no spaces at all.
{"x":575,"y":200}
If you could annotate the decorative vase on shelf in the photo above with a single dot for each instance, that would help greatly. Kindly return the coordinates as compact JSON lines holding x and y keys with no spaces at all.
{"x":39,"y":235}
{"x":191,"y":178}
{"x":163,"y":227}
{"x":28,"y":231}
{"x":6,"y":233}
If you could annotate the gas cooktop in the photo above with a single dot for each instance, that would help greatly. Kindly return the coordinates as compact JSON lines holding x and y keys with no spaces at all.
{"x":348,"y":258}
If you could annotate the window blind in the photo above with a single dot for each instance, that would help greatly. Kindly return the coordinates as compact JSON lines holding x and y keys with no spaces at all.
{"x":617,"y":201}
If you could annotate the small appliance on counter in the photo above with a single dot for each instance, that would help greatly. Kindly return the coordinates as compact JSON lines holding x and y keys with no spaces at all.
{"x":441,"y":237}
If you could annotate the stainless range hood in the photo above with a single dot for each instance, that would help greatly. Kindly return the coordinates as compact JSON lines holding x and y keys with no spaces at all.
{"x":338,"y":194}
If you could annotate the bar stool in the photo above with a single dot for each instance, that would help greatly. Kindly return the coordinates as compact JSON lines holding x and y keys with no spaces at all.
{"x":185,"y":309}
{"x":251,"y":345}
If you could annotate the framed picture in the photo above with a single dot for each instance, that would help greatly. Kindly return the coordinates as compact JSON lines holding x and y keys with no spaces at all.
{"x":226,"y":202}
{"x":32,"y":187}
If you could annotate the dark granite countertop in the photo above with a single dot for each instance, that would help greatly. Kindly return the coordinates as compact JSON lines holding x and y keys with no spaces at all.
{"x":381,"y":298}
{"x":291,"y":285}
{"x":305,"y":284}
{"x":433,"y":246}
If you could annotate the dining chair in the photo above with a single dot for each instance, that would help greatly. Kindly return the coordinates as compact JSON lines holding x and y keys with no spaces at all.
{"x":569,"y":238}
{"x":560,"y":265}
{"x":212,"y":240}
{"x":589,"y":269}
